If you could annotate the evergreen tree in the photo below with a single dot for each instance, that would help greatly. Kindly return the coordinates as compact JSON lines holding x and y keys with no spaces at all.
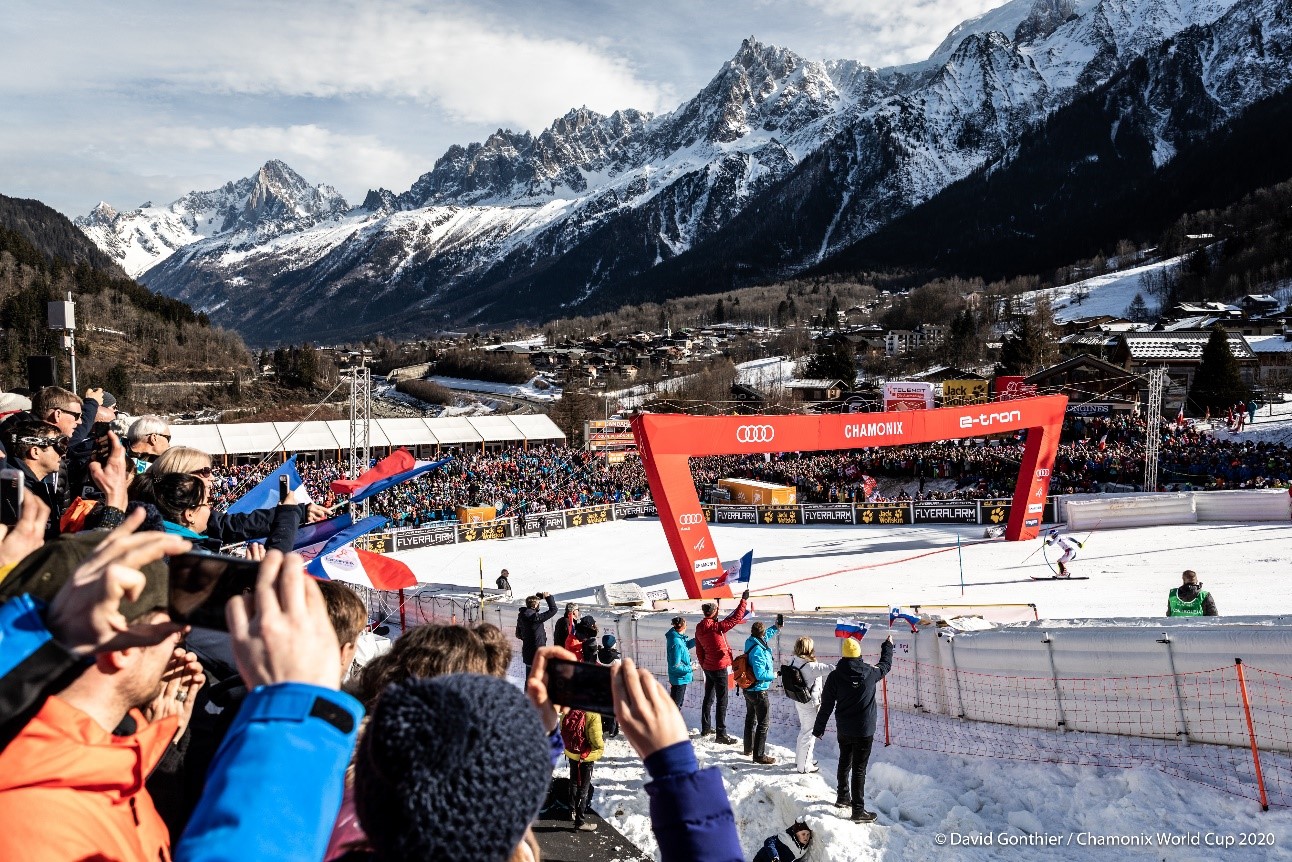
{"x":719,"y":312}
{"x":1217,"y":383}
{"x":1138,"y":309}
{"x":832,"y":313}
{"x":834,"y":359}
{"x":962,"y":346}
{"x":1026,"y":350}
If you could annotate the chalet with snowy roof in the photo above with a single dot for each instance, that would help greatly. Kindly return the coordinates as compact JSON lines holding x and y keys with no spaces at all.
{"x":1180,"y":353}
{"x":1258,"y":305}
{"x":1094,"y":387}
{"x":808,"y":389}
{"x":1274,"y":356}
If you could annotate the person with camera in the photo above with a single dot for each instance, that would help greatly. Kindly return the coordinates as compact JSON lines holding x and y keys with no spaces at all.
{"x":530,"y":626}
{"x":849,"y":692}
{"x":715,"y":660}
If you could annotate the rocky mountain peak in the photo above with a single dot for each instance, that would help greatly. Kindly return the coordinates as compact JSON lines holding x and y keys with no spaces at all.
{"x":1043,"y":19}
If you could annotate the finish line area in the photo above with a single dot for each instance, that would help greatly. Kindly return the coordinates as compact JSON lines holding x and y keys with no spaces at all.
{"x":1129,"y":570}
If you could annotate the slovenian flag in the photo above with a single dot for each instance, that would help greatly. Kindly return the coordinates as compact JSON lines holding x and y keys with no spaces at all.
{"x":265,"y":494}
{"x":737,"y":573}
{"x":896,"y":614}
{"x":397,"y":467}
{"x":364,"y":568}
{"x":850,"y":629}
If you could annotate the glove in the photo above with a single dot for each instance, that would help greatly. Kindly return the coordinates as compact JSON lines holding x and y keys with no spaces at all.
{"x":744,"y":595}
{"x":780,"y":621}
{"x":1081,"y":544}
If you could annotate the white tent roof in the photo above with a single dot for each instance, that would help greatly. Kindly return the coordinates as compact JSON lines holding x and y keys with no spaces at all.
{"x":455,"y":429}
{"x":204,"y":437}
{"x":538,"y":426}
{"x":308,"y":436}
{"x":259,"y":437}
{"x":407,"y":432}
{"x":496,"y":429}
{"x":244,"y":439}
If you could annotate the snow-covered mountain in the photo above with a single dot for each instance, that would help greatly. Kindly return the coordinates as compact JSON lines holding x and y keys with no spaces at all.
{"x":275,"y":201}
{"x":598,"y":210}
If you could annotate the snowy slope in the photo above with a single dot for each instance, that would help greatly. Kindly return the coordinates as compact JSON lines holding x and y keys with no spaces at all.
{"x":1111,"y":293}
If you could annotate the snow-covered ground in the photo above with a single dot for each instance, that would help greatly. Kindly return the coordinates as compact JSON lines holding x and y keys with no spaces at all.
{"x":530,"y":391}
{"x":922,"y":797}
{"x":1110,"y":293}
{"x":1273,"y":424}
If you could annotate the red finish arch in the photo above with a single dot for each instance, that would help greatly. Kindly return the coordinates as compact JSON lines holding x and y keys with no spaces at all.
{"x":665,"y":442}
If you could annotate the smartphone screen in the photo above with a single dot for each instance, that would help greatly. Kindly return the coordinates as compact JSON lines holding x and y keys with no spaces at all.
{"x":580,"y":685}
{"x":202,"y":584}
{"x":11,"y":488}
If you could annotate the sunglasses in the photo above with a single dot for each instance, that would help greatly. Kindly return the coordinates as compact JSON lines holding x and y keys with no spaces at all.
{"x":204,"y":473}
{"x":59,"y":444}
{"x":72,"y":413}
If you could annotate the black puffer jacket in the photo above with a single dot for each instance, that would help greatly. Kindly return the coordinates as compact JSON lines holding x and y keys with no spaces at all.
{"x":531,"y":631}
{"x":850,"y":693}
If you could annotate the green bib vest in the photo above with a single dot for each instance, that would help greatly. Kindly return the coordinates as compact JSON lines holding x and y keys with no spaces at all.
{"x":1180,"y":608}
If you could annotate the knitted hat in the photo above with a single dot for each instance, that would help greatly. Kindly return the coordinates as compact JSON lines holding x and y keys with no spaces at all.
{"x":608,"y":641}
{"x":452,"y":767}
{"x":851,"y":648}
{"x":109,"y":400}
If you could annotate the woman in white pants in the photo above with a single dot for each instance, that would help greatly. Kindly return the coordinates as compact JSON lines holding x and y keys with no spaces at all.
{"x":814,"y":674}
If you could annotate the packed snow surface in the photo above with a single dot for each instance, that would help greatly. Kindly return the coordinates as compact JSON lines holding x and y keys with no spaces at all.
{"x":925,"y":800}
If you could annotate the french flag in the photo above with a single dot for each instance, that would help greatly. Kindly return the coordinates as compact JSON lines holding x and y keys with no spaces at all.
{"x":850,"y":629}
{"x":363,"y":568}
{"x":737,"y":573}
{"x":325,"y":541}
{"x":397,"y":467}
{"x":265,"y":494}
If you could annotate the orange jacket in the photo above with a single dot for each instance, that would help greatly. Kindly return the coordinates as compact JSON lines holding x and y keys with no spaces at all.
{"x":69,"y":790}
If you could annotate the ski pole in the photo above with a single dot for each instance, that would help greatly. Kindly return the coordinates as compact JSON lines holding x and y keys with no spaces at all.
{"x":1092,"y":532}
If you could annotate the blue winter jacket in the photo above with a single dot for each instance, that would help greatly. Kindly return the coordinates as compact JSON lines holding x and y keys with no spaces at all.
{"x":761,"y":661}
{"x":689,"y":811}
{"x":679,"y":657}
{"x":274,"y":788}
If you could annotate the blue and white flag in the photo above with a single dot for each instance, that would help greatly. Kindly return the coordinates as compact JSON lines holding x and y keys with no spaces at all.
{"x":265,"y":494}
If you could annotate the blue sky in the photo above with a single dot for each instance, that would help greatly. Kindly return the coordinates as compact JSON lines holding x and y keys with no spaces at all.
{"x":134,"y":101}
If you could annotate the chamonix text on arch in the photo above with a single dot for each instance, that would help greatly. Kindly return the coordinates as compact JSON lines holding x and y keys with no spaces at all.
{"x":665,"y":441}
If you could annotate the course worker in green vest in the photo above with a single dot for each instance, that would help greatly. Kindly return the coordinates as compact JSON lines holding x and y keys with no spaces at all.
{"x":1190,"y":599}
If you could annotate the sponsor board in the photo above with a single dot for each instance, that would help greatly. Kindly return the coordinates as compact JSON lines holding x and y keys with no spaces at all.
{"x":690,"y":519}
{"x":551,"y":520}
{"x":734,"y":514}
{"x":907,"y":395}
{"x":986,"y":420}
{"x":957,"y":393}
{"x":643,"y":508}
{"x":946,"y":512}
{"x":780,"y":515}
{"x":755,"y":434}
{"x":828,"y":513}
{"x":1089,"y":409}
{"x":993,"y":513}
{"x":377,"y":543}
{"x":423,"y":537}
{"x":657,"y":595}
{"x":1011,"y":386}
{"x":1035,"y":508}
{"x":708,"y":564}
{"x":871,"y":514}
{"x":484,"y":532}
{"x":1031,"y":522}
{"x":593,"y":515}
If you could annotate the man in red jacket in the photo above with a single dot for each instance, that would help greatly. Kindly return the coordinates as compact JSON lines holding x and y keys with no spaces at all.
{"x":714,"y":652}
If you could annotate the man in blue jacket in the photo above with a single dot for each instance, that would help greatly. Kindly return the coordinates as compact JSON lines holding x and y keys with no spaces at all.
{"x":850,"y":693}
{"x":679,"y":660}
{"x":763,"y":666}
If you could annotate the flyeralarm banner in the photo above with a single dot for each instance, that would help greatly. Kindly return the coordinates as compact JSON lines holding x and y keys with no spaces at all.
{"x":667,"y":441}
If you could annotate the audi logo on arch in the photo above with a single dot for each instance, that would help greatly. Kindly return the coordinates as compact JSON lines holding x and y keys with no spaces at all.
{"x":755,"y":434}
{"x":690,"y":520}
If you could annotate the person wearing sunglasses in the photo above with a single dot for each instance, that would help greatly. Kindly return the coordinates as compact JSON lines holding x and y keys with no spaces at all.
{"x":36,"y":449}
{"x":147,"y":440}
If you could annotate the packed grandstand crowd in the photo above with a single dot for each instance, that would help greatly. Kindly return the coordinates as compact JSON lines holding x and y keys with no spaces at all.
{"x":1096,"y":454}
{"x":126,"y":735}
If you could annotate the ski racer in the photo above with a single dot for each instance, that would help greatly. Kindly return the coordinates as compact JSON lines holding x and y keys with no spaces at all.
{"x":1067,"y":544}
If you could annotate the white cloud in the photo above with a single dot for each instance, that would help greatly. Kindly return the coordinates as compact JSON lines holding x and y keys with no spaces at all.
{"x":890,"y":34}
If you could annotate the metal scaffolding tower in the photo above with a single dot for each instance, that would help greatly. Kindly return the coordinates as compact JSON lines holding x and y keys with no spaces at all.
{"x":360,"y":421}
{"x":1153,"y":429}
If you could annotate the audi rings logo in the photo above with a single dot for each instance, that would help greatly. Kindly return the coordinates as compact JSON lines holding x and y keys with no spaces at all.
{"x":690,"y":520}
{"x":755,"y":434}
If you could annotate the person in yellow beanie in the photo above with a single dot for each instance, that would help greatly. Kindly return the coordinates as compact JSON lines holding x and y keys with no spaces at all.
{"x":850,"y":694}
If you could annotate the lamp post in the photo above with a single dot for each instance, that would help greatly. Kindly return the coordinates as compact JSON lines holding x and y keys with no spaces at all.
{"x":62,"y":318}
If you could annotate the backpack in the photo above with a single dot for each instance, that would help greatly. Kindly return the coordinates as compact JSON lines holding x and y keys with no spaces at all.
{"x":796,"y":687}
{"x":743,"y":673}
{"x":574,"y":733}
{"x":520,"y":625}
